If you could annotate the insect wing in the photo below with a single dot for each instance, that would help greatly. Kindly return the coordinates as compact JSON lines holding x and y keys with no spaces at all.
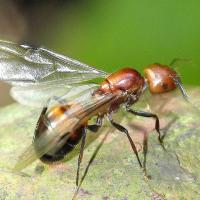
{"x":21,"y":64}
{"x":40,"y":73}
{"x":44,"y":144}
{"x":75,"y":116}
{"x":37,"y":96}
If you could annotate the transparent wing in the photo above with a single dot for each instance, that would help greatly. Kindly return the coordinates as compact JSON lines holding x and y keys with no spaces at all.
{"x":37,"y":73}
{"x":89,"y":106}
{"x":37,"y":96}
{"x":22,"y":64}
{"x":44,"y":144}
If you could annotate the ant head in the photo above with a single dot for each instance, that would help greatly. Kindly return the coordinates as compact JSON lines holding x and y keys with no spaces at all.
{"x":161,"y":79}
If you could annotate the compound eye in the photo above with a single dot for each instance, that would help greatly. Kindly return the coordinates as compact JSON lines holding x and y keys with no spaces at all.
{"x":160,"y":78}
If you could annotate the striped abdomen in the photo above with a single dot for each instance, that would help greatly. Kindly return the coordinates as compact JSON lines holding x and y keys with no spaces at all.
{"x":56,"y":117}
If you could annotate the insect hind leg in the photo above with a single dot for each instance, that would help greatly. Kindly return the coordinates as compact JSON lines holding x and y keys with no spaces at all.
{"x":151,"y":115}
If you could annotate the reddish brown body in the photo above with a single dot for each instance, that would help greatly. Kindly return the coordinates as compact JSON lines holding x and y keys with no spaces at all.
{"x":124,"y":80}
{"x":126,"y":84}
{"x":160,"y":78}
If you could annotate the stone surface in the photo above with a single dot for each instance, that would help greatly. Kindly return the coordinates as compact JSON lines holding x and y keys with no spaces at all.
{"x":114,"y":173}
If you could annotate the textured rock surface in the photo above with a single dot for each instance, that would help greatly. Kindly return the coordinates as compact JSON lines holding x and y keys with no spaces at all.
{"x":114,"y":173}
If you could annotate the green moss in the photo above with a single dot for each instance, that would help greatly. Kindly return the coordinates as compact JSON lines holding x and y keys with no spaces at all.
{"x":114,"y":173}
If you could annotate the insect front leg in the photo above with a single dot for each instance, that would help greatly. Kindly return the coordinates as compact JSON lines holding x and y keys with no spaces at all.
{"x":148,"y":114}
{"x":124,"y":130}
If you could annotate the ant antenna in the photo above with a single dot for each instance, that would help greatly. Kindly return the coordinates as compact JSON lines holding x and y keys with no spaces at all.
{"x":179,"y":84}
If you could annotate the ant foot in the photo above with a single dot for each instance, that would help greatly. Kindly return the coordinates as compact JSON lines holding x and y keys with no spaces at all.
{"x":146,"y":176}
{"x":162,"y":144}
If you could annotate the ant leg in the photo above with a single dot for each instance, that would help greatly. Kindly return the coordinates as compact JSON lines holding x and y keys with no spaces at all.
{"x":124,"y":130}
{"x":147,"y":114}
{"x":89,"y":165}
{"x":80,"y":156}
{"x":95,"y":127}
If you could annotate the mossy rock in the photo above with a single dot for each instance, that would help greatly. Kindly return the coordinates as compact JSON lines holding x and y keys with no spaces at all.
{"x":114,"y":173}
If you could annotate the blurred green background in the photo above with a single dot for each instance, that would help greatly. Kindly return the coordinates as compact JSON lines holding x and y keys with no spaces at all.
{"x":110,"y":34}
